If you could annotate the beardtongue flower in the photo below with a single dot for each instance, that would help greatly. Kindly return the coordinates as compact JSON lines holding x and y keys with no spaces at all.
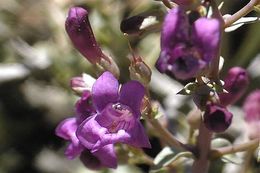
{"x":251,"y":108}
{"x":236,"y":83}
{"x":118,"y":114}
{"x":104,"y":157}
{"x":186,"y":49}
{"x":80,"y":32}
{"x":217,"y":118}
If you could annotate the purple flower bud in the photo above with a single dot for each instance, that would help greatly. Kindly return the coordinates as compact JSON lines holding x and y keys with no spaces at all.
{"x":79,"y":30}
{"x":187,"y":48}
{"x":217,"y":118}
{"x":251,"y":108}
{"x":236,"y":83}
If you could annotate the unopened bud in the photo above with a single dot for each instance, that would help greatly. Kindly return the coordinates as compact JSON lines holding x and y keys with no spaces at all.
{"x":217,"y":118}
{"x":82,"y":83}
{"x":236,"y":82}
{"x":140,"y":71}
{"x":80,"y":32}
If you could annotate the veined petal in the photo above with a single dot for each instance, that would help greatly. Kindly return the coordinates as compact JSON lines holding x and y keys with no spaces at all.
{"x":104,"y":91}
{"x":206,"y":35}
{"x":131,"y":94}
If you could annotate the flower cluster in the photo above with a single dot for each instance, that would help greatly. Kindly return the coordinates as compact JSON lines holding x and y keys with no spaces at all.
{"x":217,"y":118}
{"x":109,"y":113}
{"x":104,"y":116}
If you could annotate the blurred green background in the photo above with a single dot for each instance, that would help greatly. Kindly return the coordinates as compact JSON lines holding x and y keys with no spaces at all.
{"x":37,"y":61}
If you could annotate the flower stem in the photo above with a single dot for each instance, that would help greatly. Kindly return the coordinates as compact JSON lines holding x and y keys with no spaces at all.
{"x":166,"y":135}
{"x":201,"y":163}
{"x":241,"y":13}
{"x":215,"y":153}
{"x":214,"y":72}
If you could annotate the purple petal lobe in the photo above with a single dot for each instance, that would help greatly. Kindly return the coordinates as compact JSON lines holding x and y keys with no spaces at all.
{"x":84,"y":107}
{"x":138,"y":136}
{"x":90,"y":132}
{"x":67,"y":128}
{"x":206,"y":36}
{"x":175,"y":28}
{"x":131,"y":94}
{"x":107,"y":156}
{"x":104,"y":91}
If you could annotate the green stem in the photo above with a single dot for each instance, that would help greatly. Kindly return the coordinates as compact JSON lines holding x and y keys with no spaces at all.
{"x":166,"y":135}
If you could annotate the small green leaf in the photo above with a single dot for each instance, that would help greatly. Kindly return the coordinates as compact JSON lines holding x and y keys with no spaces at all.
{"x":232,"y":158}
{"x":188,"y":89}
{"x":242,"y":21}
{"x":169,"y":155}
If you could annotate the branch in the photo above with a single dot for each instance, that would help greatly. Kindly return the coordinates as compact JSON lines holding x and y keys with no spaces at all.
{"x":241,"y":13}
{"x":215,"y":153}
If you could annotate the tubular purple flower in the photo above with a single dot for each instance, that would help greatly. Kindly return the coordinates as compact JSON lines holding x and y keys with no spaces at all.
{"x":236,"y":82}
{"x":104,"y":157}
{"x":118,"y":114}
{"x":187,"y":48}
{"x":80,"y":32}
{"x":251,"y":108}
{"x":217,"y":118}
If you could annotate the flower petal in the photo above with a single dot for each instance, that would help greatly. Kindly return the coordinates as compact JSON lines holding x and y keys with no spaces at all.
{"x":73,"y":150}
{"x":84,"y":107}
{"x":206,"y":35}
{"x":175,"y":28}
{"x":131,"y":94}
{"x":90,"y":132}
{"x":67,"y":128}
{"x":104,"y":91}
{"x":139,"y":137}
{"x":107,"y":156}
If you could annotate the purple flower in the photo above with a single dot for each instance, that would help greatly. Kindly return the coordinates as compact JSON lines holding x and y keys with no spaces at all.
{"x":236,"y":83}
{"x":217,"y":118}
{"x":80,"y":32}
{"x":251,"y":108}
{"x":118,"y":114}
{"x":187,"y":48}
{"x":104,"y":157}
